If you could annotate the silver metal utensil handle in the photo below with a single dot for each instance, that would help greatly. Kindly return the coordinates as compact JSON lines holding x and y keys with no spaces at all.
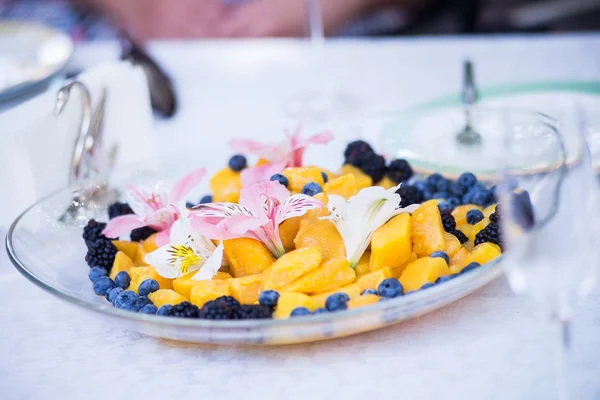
{"x":469,"y":88}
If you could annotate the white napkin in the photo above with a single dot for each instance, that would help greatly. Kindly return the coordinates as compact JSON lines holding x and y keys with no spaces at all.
{"x":36,"y":146}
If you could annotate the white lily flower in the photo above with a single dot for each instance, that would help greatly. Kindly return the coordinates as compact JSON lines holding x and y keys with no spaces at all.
{"x":357,"y":218}
{"x":187,"y":251}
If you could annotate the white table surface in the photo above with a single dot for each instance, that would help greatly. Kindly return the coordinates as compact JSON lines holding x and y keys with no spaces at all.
{"x":486,"y":346}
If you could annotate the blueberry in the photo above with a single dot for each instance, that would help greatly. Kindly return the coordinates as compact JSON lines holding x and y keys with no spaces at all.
{"x":445,"y":206}
{"x":477,"y":187}
{"x":141,"y":302}
{"x":474,"y":216}
{"x":453,"y":201}
{"x":268,"y":298}
{"x":300,"y":311}
{"x":164,"y":310}
{"x":433,"y":179}
{"x":206,"y":199}
{"x":281,"y":179}
{"x":337,"y":302}
{"x":148,"y":286}
{"x":125,"y":299}
{"x":238,"y":162}
{"x":443,"y":185}
{"x":320,"y":310}
{"x":420,"y":185}
{"x":467,"y":197}
{"x":103,"y":285}
{"x":97,"y":272}
{"x":112,"y":294}
{"x":440,"y":254}
{"x":189,"y":204}
{"x":122,"y":279}
{"x":470,"y":267}
{"x":467,"y":179}
{"x":428,"y":194}
{"x":456,"y":189}
{"x":369,"y":291}
{"x":440,"y":195}
{"x":148,"y":309}
{"x":390,"y":288}
{"x":445,"y":278}
{"x":481,"y":198}
{"x":426,"y":285}
{"x":325,"y":177}
{"x":311,"y":188}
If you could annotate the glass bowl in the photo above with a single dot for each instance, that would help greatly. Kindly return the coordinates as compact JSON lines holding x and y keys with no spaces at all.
{"x":45,"y":245}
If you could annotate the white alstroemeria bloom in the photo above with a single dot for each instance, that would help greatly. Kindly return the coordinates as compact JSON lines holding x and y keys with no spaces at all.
{"x":357,"y":218}
{"x":187,"y":251}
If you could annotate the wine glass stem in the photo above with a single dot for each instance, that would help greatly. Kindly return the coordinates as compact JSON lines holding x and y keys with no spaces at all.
{"x":563,"y":352}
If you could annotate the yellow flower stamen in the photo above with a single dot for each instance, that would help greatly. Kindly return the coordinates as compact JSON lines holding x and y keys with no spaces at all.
{"x":185,"y":256}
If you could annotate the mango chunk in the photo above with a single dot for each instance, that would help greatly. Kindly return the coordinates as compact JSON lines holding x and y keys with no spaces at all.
{"x":209,"y":290}
{"x":427,"y":230}
{"x":424,"y":270}
{"x":140,"y":274}
{"x":166,"y":296}
{"x":262,"y":161}
{"x":344,"y":186}
{"x":478,"y":227}
{"x":459,"y":260}
{"x":245,"y":290}
{"x":288,"y":231}
{"x":150,"y":243}
{"x":184,"y":284}
{"x":291,"y":266}
{"x":363,"y":268}
{"x":129,"y":248}
{"x":373,"y":279}
{"x":121,"y":263}
{"x":247,"y":256}
{"x":363,"y":300}
{"x":452,"y":244}
{"x":386,"y":183}
{"x":352,"y":290}
{"x":484,"y":253}
{"x":300,"y":176}
{"x":140,"y":257}
{"x":225,"y":186}
{"x":320,"y":233}
{"x":391,"y":245}
{"x":362,"y":180}
{"x":466,"y":229}
{"x":330,"y":275}
{"x":288,"y":301}
{"x":460,"y":213}
{"x":489,"y":210}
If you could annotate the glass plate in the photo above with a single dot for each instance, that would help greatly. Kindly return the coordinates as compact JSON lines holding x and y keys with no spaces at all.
{"x":51,"y":253}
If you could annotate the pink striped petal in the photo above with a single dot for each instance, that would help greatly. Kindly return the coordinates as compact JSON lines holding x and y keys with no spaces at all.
{"x":186,"y":184}
{"x":250,"y":176}
{"x":122,"y":225}
{"x":163,"y":237}
{"x":240,"y":225}
{"x":319,"y":138}
{"x":295,"y":206}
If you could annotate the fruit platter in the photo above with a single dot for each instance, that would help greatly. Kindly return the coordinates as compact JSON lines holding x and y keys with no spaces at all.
{"x":274,"y":251}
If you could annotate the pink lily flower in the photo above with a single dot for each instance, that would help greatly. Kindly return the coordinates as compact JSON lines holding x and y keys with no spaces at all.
{"x":290,"y":151}
{"x":250,"y":176}
{"x":155,"y":209}
{"x":262,"y":208}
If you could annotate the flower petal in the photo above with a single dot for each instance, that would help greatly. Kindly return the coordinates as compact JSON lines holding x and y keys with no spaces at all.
{"x":220,"y":210}
{"x":119,"y":226}
{"x":144,"y":202}
{"x":174,"y":260}
{"x":263,"y":197}
{"x":211,"y":266}
{"x":319,"y":138}
{"x":239,"y":225}
{"x":250,"y":176}
{"x":160,"y":219}
{"x":295,"y":206}
{"x":162,"y":237}
{"x":186,"y":184}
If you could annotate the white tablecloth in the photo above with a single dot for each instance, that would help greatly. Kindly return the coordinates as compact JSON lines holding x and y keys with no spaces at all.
{"x":486,"y":346}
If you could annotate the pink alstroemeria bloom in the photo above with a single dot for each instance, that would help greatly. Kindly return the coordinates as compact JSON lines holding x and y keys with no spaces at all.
{"x":290,"y":151}
{"x":250,"y":176}
{"x":155,"y":209}
{"x":262,"y":208}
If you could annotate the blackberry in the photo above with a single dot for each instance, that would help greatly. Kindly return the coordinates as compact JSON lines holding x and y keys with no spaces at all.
{"x":184,"y":310}
{"x":409,"y":195}
{"x":229,"y":301}
{"x":143,"y":233}
{"x":101,"y":253}
{"x":92,"y":232}
{"x":215,"y":309}
{"x":491,"y":233}
{"x":117,"y":209}
{"x":356,"y":151}
{"x":373,"y":165}
{"x":253,"y":311}
{"x":399,"y":171}
{"x":496,"y":215}
{"x":448,"y":221}
{"x":462,"y":238}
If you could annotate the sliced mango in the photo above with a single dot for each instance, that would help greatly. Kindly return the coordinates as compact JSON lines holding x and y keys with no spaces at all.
{"x":140,"y":257}
{"x":245,"y":290}
{"x":352,"y":290}
{"x":166,"y":296}
{"x":489,"y":210}
{"x":121,"y":263}
{"x":391,"y":245}
{"x":289,"y":301}
{"x":321,"y":233}
{"x":424,"y":270}
{"x":150,"y":243}
{"x":362,"y":268}
{"x":373,"y":279}
{"x":362,"y":180}
{"x":460,"y":213}
{"x":300,"y":176}
{"x":184,"y":284}
{"x":427,"y":229}
{"x":205,"y":291}
{"x":291,"y":266}
{"x":363,"y":300}
{"x":484,"y":253}
{"x":330,"y":275}
{"x":459,"y":260}
{"x":225,"y":186}
{"x":140,"y":274}
{"x":246,"y":256}
{"x":129,"y":248}
{"x":477,"y":228}
{"x":288,"y":231}
{"x":344,"y":186}
{"x":452,"y":244}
